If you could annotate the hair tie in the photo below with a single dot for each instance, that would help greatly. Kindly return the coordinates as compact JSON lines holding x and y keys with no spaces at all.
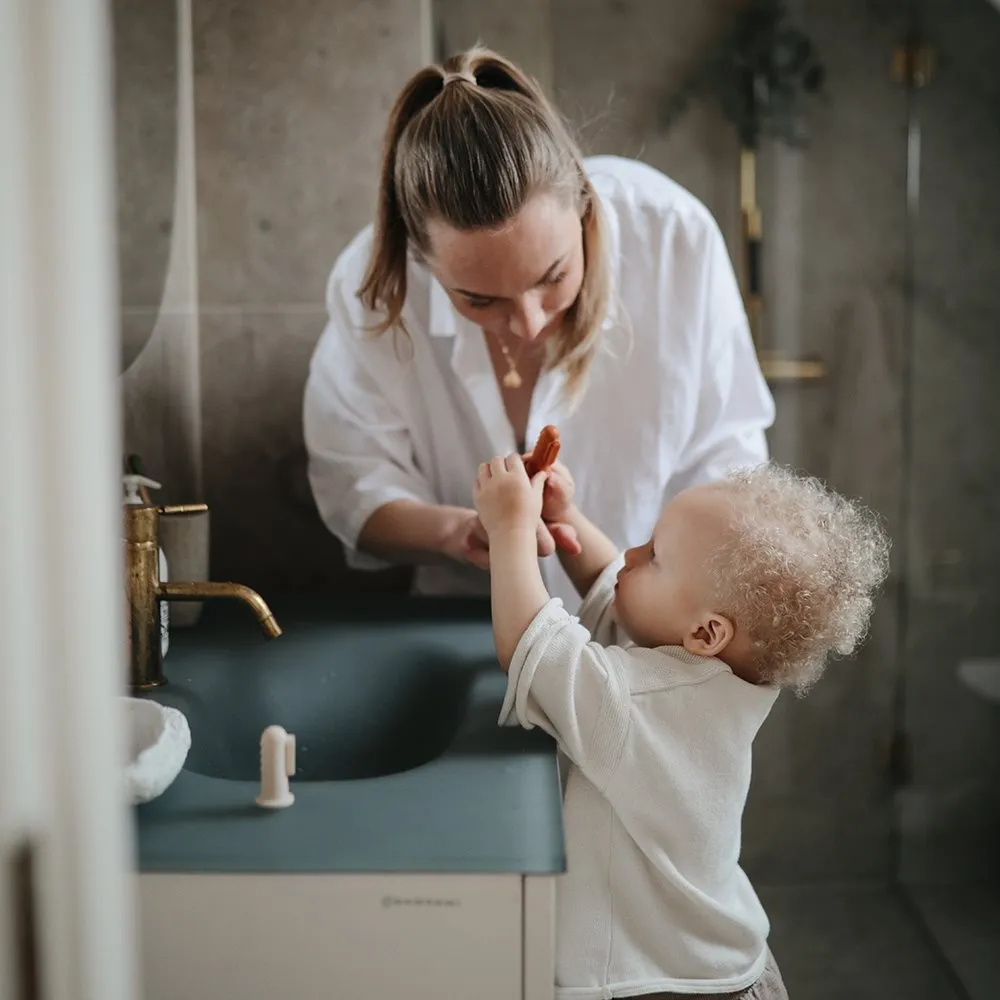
{"x":463,"y":75}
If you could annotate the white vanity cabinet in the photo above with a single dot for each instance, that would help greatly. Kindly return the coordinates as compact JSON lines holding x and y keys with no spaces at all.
{"x":347,"y":936}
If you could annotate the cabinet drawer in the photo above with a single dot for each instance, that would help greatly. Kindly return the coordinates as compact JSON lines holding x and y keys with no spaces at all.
{"x":331,"y":937}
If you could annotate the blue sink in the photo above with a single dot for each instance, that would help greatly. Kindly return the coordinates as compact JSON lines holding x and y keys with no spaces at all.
{"x":400,"y":763}
{"x":363,"y":701}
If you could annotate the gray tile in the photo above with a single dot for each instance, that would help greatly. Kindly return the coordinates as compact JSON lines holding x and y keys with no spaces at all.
{"x":957,"y":350}
{"x":616,"y":63}
{"x":835,"y":942}
{"x":965,"y":922}
{"x":819,"y":804}
{"x":266,"y":531}
{"x":161,"y":402}
{"x":291,"y":105}
{"x":950,"y":811}
{"x":145,"y":55}
{"x":521,"y":30}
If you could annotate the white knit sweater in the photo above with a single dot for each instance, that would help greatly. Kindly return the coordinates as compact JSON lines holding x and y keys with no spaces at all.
{"x":659,"y":742}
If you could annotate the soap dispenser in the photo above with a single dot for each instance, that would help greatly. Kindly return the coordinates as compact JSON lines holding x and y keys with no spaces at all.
{"x":132,"y":483}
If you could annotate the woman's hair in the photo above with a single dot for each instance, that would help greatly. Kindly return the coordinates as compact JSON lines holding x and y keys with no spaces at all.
{"x":799,"y":571}
{"x":469,"y":143}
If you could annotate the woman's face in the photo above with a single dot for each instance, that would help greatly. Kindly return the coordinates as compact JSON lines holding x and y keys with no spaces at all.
{"x":517,"y":280}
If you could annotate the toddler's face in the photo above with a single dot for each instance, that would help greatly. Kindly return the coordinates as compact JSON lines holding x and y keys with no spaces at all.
{"x":663,"y":596}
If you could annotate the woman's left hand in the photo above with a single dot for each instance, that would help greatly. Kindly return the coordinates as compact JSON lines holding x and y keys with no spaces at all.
{"x":557,"y":501}
{"x":557,"y":498}
{"x":548,"y":535}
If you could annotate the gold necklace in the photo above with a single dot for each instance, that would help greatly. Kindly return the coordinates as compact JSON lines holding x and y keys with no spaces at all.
{"x":512,"y":380}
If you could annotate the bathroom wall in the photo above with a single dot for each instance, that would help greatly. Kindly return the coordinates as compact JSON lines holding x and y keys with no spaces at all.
{"x":834,"y":236}
{"x":289,"y":108}
{"x":950,"y":813}
{"x":835,"y":240}
{"x":290,"y":101}
{"x":836,"y":244}
{"x":520,"y":29}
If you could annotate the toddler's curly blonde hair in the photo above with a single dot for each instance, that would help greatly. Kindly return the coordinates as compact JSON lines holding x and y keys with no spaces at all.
{"x":799,"y":571}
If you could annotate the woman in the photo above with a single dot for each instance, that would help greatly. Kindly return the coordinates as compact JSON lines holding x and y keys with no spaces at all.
{"x":508,"y":284}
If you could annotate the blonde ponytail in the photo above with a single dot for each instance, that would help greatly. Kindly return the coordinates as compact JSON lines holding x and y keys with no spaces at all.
{"x":470,"y":142}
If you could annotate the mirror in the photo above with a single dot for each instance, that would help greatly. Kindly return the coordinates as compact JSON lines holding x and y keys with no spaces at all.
{"x":145,"y":96}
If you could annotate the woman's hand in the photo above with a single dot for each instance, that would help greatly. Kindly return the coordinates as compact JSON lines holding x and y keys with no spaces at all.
{"x":552,"y":530}
{"x":557,"y":498}
{"x":467,"y":542}
{"x":557,"y":502}
{"x":507,"y":501}
{"x":472,"y":544}
{"x":477,"y":542}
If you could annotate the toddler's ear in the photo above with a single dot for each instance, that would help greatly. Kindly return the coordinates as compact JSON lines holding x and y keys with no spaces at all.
{"x":710,"y":636}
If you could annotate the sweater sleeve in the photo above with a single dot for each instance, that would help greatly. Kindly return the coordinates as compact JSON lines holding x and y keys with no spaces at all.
{"x":573,"y":688}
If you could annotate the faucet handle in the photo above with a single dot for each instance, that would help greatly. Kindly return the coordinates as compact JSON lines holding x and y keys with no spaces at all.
{"x":179,"y":509}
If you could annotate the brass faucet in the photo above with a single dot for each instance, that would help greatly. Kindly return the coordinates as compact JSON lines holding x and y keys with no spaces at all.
{"x":146,"y":590}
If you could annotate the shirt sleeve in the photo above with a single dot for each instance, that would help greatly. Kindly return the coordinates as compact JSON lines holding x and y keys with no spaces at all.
{"x":597,"y":608}
{"x":735,"y":406}
{"x":563,"y":682}
{"x":357,"y":439}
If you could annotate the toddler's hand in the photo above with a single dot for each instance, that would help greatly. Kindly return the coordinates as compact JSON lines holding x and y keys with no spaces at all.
{"x":505,"y":498}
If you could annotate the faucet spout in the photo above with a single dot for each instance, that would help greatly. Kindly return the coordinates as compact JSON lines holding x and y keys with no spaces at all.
{"x":203,"y":590}
{"x":146,"y":591}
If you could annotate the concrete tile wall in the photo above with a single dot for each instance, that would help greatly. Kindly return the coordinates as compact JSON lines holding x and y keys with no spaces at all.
{"x":951,"y":810}
{"x":291,"y":106}
{"x":291,"y":102}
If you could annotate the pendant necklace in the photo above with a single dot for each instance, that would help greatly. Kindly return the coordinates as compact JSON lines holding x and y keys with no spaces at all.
{"x":512,"y":379}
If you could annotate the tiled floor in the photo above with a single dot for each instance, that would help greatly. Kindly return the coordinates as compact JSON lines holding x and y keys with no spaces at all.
{"x":867,"y":943}
{"x":965,"y":923}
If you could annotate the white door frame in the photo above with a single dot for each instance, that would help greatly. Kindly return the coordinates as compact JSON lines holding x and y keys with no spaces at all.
{"x":61,"y":607}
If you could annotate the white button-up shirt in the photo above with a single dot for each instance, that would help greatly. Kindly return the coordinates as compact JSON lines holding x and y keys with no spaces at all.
{"x":675,"y":397}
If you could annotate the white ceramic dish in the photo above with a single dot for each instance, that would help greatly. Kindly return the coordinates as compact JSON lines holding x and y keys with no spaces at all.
{"x":158,"y":740}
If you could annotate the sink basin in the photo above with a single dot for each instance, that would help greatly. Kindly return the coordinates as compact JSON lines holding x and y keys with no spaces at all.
{"x":393,"y":703}
{"x":363,"y":700}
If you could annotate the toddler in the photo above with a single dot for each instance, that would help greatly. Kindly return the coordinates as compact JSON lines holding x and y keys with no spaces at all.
{"x":655,"y":694}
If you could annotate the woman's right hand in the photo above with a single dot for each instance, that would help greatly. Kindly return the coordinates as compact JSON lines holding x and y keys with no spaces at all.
{"x":471,"y":544}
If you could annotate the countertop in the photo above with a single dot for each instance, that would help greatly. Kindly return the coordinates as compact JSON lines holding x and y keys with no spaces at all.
{"x":489,"y":803}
